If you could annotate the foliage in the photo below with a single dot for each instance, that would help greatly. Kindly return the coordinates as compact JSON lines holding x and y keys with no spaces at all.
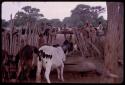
{"x":55,"y":22}
{"x":4,"y":23}
{"x":28,"y":14}
{"x":83,"y":13}
{"x":78,"y":18}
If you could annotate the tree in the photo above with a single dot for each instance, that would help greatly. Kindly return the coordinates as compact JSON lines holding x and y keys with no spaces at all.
{"x":4,"y":23}
{"x":28,"y":14}
{"x":67,"y":21}
{"x":55,"y":22}
{"x":83,"y":13}
{"x":114,"y":38}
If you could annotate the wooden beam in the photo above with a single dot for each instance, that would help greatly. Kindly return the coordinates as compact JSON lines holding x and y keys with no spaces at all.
{"x":80,"y":67}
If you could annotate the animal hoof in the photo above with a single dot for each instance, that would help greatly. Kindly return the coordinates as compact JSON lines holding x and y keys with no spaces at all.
{"x":62,"y":79}
{"x":49,"y":82}
{"x":59,"y":78}
{"x":38,"y":81}
{"x":13,"y":80}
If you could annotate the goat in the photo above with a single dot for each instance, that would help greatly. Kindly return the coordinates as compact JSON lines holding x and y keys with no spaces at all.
{"x":52,"y":58}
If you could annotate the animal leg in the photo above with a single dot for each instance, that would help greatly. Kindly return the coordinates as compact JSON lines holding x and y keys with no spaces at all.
{"x":58,"y":71}
{"x":27,"y":75}
{"x":38,"y":76}
{"x":47,"y":73}
{"x":62,"y":68}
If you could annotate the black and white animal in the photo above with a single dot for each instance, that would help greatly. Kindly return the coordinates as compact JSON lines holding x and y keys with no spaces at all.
{"x":24,"y":59}
{"x":51,"y":58}
{"x":67,"y":47}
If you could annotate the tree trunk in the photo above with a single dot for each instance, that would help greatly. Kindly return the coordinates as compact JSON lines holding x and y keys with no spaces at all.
{"x":114,"y":38}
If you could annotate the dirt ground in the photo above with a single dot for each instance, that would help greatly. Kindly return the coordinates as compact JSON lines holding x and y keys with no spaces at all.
{"x":69,"y":77}
{"x":72,"y":77}
{"x":77,"y":77}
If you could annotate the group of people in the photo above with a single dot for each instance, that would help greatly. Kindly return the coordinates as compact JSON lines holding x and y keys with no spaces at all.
{"x":49,"y":35}
{"x":91,"y":36}
{"x":90,"y":32}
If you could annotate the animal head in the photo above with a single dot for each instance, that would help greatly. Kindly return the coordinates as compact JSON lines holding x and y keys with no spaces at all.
{"x":67,"y":46}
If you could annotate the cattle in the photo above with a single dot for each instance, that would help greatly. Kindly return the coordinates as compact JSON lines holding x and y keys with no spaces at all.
{"x":24,"y":59}
{"x":51,"y":58}
{"x":68,"y":47}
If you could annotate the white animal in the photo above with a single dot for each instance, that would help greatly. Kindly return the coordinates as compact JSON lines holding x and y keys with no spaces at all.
{"x":51,"y":58}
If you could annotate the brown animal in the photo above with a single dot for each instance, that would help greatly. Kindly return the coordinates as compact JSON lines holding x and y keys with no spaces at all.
{"x":24,"y":58}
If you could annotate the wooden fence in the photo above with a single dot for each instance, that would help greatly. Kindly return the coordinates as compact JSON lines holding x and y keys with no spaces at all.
{"x":14,"y":39}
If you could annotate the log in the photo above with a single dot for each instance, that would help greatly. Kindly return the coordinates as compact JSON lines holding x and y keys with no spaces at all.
{"x":74,"y":64}
{"x":81,"y":67}
{"x":74,"y":60}
{"x":78,"y":64}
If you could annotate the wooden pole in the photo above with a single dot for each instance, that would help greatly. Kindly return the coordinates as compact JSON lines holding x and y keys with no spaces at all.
{"x":11,"y":35}
{"x":78,"y":41}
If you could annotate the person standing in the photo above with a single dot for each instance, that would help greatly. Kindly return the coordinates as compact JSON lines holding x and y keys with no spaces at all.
{"x":100,"y":29}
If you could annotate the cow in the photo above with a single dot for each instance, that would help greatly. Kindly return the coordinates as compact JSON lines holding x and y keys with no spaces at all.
{"x":24,"y":59}
{"x":52,"y":57}
{"x":67,"y":46}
